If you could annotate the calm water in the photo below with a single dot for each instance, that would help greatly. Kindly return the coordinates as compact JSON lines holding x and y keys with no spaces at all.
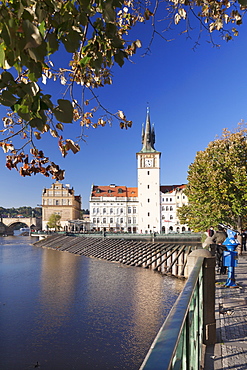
{"x":73,"y":312}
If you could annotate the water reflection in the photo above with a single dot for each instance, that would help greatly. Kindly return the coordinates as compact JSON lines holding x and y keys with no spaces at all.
{"x":76,"y":312}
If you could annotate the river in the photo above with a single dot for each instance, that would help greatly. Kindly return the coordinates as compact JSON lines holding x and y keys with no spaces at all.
{"x":61,"y":311}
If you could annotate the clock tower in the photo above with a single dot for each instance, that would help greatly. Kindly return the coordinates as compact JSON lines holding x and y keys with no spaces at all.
{"x":148,"y":168}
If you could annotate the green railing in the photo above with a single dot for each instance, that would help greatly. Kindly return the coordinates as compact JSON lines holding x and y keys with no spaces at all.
{"x":178,"y":344}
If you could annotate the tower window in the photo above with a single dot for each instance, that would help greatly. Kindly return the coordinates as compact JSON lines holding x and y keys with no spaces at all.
{"x":148,"y":200}
{"x":148,"y":186}
{"x":148,"y":172}
{"x":148,"y":213}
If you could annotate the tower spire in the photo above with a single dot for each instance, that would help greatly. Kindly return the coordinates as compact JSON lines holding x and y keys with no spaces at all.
{"x":148,"y":135}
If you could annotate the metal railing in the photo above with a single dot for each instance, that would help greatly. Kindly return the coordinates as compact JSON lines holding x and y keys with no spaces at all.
{"x":178,"y":344}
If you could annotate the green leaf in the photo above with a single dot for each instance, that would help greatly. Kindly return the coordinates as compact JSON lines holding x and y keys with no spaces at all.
{"x":84,"y":61}
{"x":64,"y":111}
{"x":119,"y":58}
{"x":46,"y":99}
{"x":71,"y":41}
{"x":52,"y":43}
{"x":32,"y":34}
{"x":2,"y":55}
{"x":37,"y":122}
{"x":6,"y":98}
{"x":243,"y":2}
{"x":109,"y":12}
{"x":5,"y":79}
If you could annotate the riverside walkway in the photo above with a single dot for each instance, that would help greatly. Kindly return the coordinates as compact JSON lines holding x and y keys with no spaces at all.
{"x":230,"y":351}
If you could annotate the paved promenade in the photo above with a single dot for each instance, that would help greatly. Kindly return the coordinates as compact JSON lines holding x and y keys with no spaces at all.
{"x":230,"y":351}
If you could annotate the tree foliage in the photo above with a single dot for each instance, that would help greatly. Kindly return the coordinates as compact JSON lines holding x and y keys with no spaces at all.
{"x":217,"y":179}
{"x":54,"y":221}
{"x":23,"y":211}
{"x":95,"y":36}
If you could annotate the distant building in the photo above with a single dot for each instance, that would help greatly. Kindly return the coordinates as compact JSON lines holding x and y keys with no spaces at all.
{"x":114,"y":208}
{"x":143,"y":209}
{"x":172,"y":197}
{"x":60,"y":199}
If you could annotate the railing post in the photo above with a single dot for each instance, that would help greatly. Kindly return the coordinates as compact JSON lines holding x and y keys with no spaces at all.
{"x":209,"y":322}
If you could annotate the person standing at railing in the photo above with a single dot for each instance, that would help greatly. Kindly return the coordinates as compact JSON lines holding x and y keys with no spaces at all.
{"x":244,"y":237}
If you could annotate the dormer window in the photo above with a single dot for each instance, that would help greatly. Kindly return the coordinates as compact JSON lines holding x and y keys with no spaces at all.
{"x":120,"y":190}
{"x":98,"y":191}
{"x":109,"y":191}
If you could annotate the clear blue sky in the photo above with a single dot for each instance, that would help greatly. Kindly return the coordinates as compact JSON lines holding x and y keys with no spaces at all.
{"x":192,"y":96}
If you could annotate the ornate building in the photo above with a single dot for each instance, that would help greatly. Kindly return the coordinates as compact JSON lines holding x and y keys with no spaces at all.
{"x":60,"y":199}
{"x":147,"y":208}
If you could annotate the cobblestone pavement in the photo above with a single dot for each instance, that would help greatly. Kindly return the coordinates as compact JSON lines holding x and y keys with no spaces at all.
{"x":230,"y":351}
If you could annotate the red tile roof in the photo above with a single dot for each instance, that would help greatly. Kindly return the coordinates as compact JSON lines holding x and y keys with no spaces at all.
{"x":171,"y":188}
{"x":113,"y":191}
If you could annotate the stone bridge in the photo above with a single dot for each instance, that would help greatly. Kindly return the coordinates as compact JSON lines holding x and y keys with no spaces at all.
{"x":8,"y":224}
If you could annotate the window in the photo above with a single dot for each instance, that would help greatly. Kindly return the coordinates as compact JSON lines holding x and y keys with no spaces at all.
{"x":120,"y":190}
{"x":111,"y":211}
{"x":129,"y":209}
{"x":167,"y":208}
{"x":129,"y":220}
{"x":148,"y":186}
{"x":171,"y":217}
{"x":98,"y":191}
{"x":134,"y":209}
{"x":171,"y":208}
{"x":97,"y":220}
{"x":166,"y":199}
{"x":111,"y":220}
{"x":148,"y":213}
{"x":148,"y":172}
{"x":97,"y":210}
{"x":148,"y":200}
{"x":121,"y":210}
{"x":94,"y":210}
{"x":134,"y":220}
{"x":121,"y":220}
{"x":170,"y":199}
{"x":57,"y":202}
{"x":163,"y":217}
{"x":104,"y":210}
{"x":178,"y":197}
{"x":104,"y":220}
{"x":44,"y":201}
{"x":94,"y":220}
{"x":109,"y":191}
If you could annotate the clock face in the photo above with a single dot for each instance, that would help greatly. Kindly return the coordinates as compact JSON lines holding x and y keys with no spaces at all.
{"x":148,"y":162}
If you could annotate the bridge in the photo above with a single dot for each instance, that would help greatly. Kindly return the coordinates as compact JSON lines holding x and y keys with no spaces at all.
{"x":9,"y":224}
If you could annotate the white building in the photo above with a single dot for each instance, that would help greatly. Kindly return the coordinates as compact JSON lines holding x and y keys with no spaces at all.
{"x":143,"y":209}
{"x":172,"y":197}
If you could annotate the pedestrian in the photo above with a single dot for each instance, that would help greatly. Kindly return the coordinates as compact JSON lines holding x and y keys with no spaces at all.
{"x":244,"y":237}
{"x":211,"y":231}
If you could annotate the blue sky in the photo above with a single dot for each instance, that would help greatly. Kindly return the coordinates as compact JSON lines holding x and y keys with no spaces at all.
{"x":192,"y":96}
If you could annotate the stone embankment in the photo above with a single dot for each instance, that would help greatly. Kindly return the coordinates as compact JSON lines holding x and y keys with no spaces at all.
{"x":167,"y":258}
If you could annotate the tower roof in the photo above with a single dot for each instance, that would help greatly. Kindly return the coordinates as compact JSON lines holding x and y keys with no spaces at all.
{"x":148,"y":135}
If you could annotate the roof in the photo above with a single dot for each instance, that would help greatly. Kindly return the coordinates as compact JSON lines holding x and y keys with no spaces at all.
{"x":171,"y":188}
{"x":113,"y":191}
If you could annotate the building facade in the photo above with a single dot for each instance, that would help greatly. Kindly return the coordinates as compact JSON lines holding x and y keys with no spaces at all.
{"x":172,"y":197}
{"x":147,"y":208}
{"x":60,"y":199}
{"x":114,"y":208}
